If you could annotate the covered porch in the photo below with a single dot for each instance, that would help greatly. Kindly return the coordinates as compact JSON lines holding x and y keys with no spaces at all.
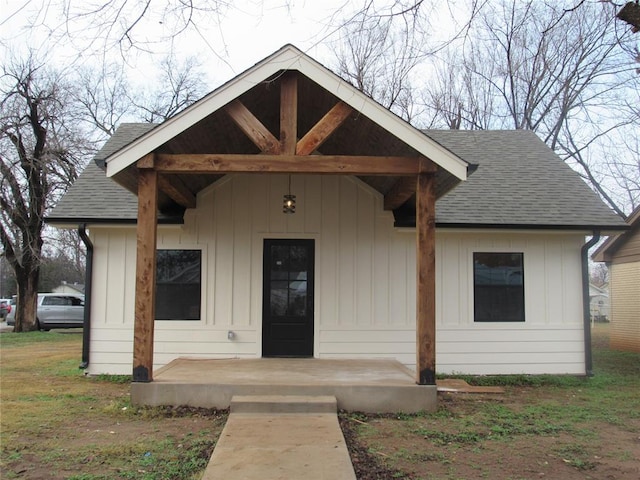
{"x":289,"y":116}
{"x":372,"y":385}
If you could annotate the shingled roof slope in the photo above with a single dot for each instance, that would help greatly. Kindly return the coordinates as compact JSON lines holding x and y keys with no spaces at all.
{"x":519,"y":183}
{"x":125,"y":134}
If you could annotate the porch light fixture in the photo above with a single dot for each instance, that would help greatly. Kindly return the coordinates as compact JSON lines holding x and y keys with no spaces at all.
{"x":289,"y":201}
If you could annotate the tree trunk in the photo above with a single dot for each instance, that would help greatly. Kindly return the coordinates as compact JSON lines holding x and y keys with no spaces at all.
{"x":26,"y":307}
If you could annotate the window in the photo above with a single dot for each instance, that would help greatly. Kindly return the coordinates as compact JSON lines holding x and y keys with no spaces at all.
{"x":178,"y":278}
{"x":50,"y":301}
{"x":498,"y":287}
{"x":76,"y":302}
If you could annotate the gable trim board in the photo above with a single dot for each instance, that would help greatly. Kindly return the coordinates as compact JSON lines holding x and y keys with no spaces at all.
{"x":367,"y":289}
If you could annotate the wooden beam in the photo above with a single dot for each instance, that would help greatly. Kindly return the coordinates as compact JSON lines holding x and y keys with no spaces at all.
{"x":145,"y":276}
{"x":311,"y":164}
{"x":426,"y":280}
{"x":177,"y":191}
{"x":147,"y":161}
{"x":324,"y":128}
{"x":253,"y":128}
{"x":401,"y":191}
{"x":289,"y":113}
{"x":405,"y":187}
{"x":427,"y":166}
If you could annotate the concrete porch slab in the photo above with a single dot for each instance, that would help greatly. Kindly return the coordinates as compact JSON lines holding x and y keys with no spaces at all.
{"x":375,"y":385}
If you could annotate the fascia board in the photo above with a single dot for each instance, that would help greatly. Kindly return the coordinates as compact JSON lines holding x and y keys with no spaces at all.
{"x":288,"y":58}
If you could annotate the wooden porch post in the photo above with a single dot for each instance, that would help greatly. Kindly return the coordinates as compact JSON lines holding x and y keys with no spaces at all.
{"x":145,"y":272}
{"x":426,"y":280}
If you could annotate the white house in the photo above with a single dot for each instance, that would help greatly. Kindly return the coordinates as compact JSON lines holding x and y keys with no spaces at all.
{"x":599,"y":304}
{"x":66,"y":287}
{"x":491,"y":282}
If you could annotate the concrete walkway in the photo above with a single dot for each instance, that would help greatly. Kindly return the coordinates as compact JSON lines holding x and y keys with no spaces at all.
{"x":273,"y":437}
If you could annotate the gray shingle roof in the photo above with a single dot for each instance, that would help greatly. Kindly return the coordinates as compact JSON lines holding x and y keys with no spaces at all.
{"x":125,"y":134}
{"x":95,"y":198}
{"x":519,"y":182}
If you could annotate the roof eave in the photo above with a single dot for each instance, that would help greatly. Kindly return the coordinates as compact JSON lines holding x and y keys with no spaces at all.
{"x":587,"y":228}
{"x":71,"y":222}
{"x":606,"y":251}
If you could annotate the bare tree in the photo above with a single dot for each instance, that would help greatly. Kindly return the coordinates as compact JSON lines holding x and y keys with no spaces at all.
{"x":66,"y":243}
{"x":599,"y":274}
{"x":125,"y":25}
{"x":179,"y":84}
{"x":617,"y":163}
{"x":382,"y":47}
{"x":454,"y":99}
{"x":103,"y":98}
{"x":563,"y":73}
{"x":377,"y":56}
{"x":41,"y":152}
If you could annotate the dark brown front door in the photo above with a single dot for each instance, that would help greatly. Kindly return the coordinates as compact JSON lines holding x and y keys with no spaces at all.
{"x":287,"y":305}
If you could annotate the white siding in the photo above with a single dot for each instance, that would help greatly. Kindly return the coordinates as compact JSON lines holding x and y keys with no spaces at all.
{"x":365,"y":283}
{"x":551,"y":340}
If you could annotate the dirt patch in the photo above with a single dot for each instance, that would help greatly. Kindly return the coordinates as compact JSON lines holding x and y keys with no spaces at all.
{"x":558,"y":428}
{"x":453,"y":444}
{"x":90,"y":446}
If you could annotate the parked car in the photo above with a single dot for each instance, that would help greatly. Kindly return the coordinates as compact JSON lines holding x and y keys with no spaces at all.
{"x":11,"y":313}
{"x":58,"y":310}
{"x":5,"y":308}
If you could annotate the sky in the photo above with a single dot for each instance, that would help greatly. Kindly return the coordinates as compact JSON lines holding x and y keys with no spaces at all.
{"x":227,"y":44}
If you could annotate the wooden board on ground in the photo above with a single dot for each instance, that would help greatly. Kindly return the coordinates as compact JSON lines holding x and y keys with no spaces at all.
{"x":460,"y":386}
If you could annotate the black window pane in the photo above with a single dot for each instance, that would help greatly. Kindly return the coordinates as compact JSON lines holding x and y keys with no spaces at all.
{"x":178,"y":284}
{"x":297,"y":258}
{"x":279,"y":298}
{"x":298,"y":298}
{"x":288,"y":294}
{"x":280,"y":262}
{"x":498,"y":287}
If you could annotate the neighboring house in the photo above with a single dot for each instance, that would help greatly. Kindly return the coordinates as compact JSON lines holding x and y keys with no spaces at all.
{"x":599,"y":303}
{"x":65,"y":287}
{"x":488,"y":280}
{"x":622,"y":255}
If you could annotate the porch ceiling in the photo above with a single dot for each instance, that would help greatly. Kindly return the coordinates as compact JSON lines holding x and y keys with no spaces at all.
{"x":353,"y":134}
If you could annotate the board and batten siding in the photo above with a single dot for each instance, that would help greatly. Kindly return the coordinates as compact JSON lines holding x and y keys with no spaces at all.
{"x":364,"y":289}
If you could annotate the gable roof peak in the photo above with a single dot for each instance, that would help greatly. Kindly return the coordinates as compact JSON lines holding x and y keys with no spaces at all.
{"x":287,"y":57}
